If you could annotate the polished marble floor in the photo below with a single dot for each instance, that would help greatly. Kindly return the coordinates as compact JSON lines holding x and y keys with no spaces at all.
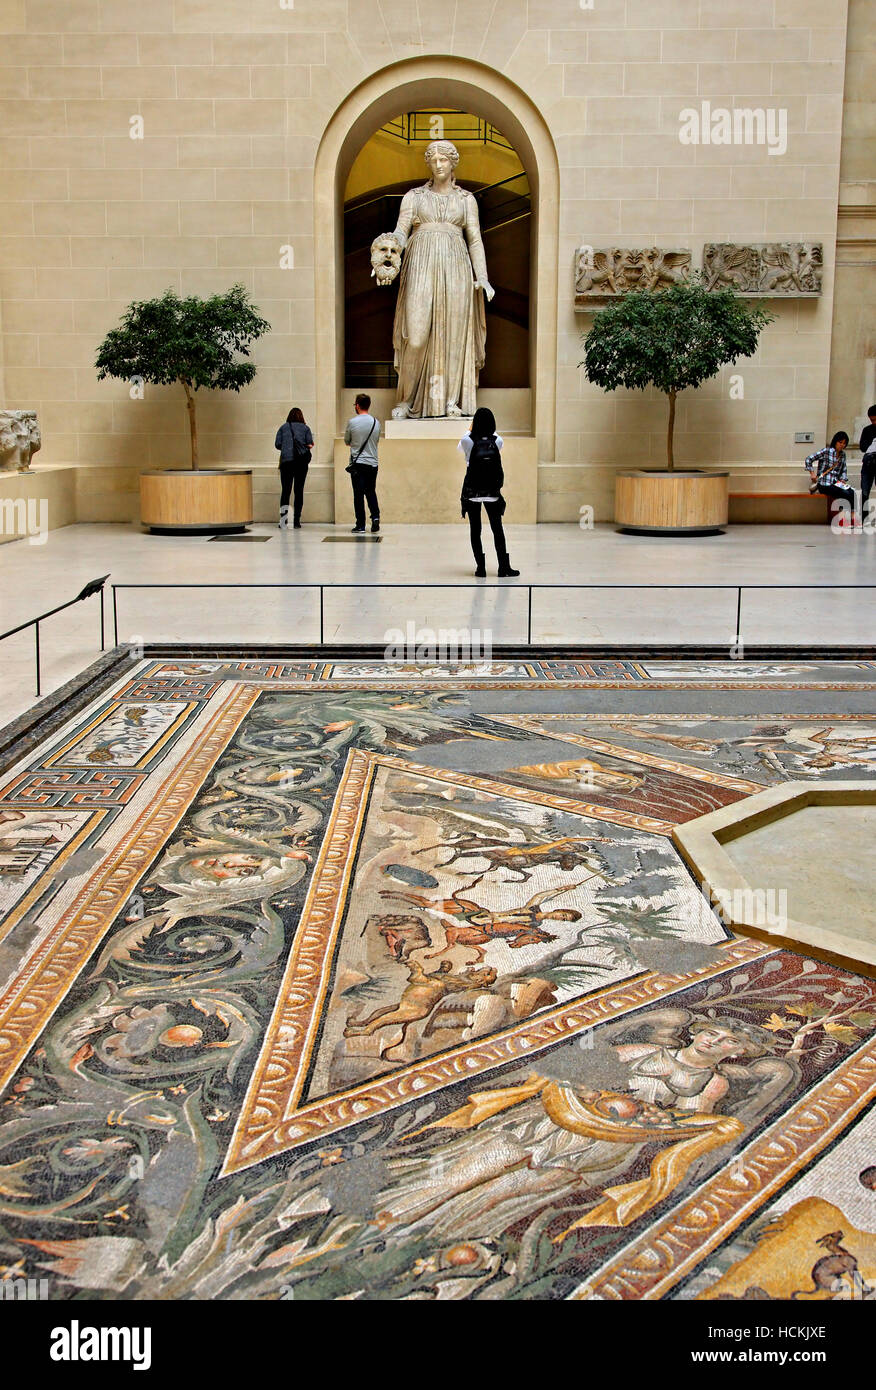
{"x":818,"y":607}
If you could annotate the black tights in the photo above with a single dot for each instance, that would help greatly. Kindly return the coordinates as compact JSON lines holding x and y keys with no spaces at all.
{"x":494,"y":515}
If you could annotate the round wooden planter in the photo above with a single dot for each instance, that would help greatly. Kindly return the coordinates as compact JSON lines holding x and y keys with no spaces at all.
{"x":207,"y":500}
{"x":692,"y":502}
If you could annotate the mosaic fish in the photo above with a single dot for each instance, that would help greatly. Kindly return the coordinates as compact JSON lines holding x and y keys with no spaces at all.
{"x":415,"y":877}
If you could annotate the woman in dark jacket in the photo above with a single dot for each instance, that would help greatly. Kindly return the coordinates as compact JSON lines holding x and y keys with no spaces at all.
{"x":295,"y":443}
{"x":482,"y":486}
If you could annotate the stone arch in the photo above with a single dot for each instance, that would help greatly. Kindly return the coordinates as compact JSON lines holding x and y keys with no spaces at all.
{"x":413,"y":84}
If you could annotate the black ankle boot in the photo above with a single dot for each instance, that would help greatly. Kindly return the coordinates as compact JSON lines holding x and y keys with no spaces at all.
{"x":505,"y":570}
{"x":375,"y":524}
{"x":481,"y":571}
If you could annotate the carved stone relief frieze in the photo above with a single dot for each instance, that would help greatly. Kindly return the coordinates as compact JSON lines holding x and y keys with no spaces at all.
{"x":774,"y":269}
{"x":604,"y":273}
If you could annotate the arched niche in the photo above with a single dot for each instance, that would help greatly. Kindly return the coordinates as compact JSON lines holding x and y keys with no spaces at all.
{"x":415,"y":84}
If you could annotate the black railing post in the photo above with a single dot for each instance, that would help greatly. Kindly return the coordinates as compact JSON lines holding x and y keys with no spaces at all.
{"x":529,"y":619}
{"x":321,"y":614}
{"x":115,"y":618}
{"x":102,"y":623}
{"x":36,"y":633}
{"x":739,"y":614}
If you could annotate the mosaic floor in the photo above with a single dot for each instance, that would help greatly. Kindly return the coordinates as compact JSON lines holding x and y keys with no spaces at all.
{"x":347,"y":981}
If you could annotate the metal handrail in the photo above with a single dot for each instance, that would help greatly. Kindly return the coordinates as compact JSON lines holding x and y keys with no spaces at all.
{"x":94,"y":586}
{"x":408,"y":129}
{"x":739,"y":589}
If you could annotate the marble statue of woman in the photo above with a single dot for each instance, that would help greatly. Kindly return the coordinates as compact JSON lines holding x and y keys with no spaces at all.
{"x":440,"y":329}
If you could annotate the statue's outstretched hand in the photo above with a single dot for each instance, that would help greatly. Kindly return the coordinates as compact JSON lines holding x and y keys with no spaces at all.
{"x":487,"y":289}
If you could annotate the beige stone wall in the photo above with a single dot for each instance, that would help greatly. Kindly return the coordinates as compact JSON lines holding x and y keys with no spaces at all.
{"x":853,"y":355}
{"x":235,"y":96}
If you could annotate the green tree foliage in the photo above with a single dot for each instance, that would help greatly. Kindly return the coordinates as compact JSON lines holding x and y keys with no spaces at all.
{"x":195,"y":342}
{"x":672,"y":339}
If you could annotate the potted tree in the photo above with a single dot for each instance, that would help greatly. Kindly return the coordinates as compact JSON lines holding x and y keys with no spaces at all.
{"x":195,"y":343}
{"x":673,"y":339}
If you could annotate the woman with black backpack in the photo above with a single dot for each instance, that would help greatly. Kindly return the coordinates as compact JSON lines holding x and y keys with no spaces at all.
{"x":295,"y":442}
{"x":482,"y":485}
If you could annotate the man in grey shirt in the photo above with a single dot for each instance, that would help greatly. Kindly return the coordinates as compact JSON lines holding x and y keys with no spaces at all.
{"x":362,"y":436}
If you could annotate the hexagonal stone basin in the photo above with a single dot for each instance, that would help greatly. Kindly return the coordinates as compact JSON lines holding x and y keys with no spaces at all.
{"x":823,"y":857}
{"x":793,"y":865}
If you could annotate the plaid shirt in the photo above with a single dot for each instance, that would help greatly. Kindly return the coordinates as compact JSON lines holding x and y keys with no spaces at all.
{"x":831,"y":467}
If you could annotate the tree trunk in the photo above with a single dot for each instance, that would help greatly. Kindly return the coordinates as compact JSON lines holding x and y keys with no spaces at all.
{"x":193,"y":422}
{"x":671,"y":431}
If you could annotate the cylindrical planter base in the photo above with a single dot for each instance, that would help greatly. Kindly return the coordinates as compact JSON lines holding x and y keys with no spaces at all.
{"x":689,"y":502}
{"x":207,"y":500}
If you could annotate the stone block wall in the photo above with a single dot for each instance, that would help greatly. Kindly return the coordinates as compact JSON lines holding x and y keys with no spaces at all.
{"x":235,"y":96}
{"x":853,"y":351}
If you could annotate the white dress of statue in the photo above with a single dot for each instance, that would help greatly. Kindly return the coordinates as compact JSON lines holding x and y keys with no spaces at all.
{"x":440,"y":329}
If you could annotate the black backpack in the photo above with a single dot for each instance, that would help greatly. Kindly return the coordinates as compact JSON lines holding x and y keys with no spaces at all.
{"x":484,"y":476}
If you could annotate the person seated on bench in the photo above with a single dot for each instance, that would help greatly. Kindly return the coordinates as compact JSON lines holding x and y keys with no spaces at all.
{"x":829,"y":475}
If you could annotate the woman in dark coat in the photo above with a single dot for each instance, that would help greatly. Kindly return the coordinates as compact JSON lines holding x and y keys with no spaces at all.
{"x":482,"y":486}
{"x":295,"y":442}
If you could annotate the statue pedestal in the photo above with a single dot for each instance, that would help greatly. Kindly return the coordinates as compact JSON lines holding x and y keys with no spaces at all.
{"x":428,"y":429}
{"x":420,"y":477}
{"x":44,"y":496}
